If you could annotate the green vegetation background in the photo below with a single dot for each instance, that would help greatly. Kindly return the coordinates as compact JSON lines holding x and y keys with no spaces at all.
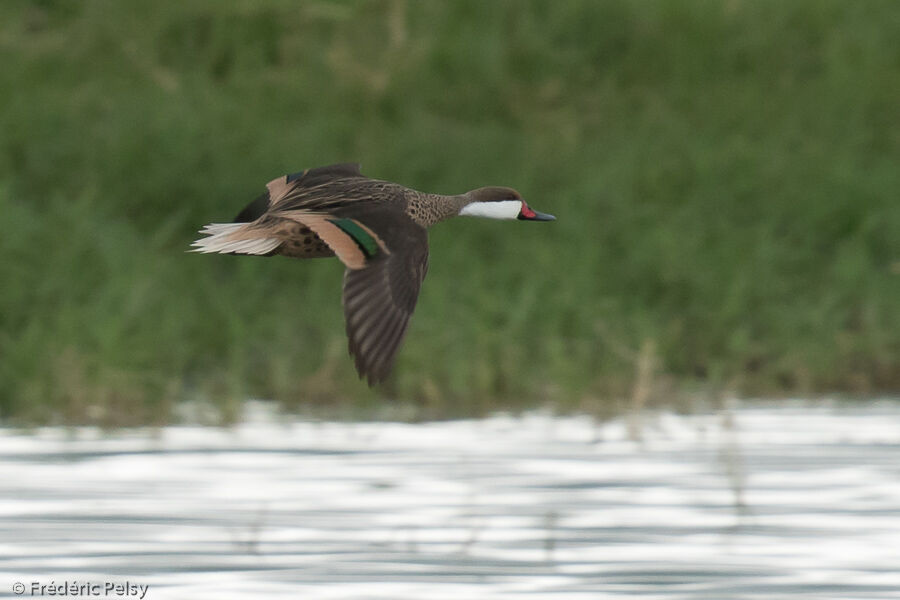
{"x":726,"y":176}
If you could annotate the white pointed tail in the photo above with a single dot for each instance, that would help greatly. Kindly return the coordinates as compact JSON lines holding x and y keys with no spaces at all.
{"x":233,"y":237}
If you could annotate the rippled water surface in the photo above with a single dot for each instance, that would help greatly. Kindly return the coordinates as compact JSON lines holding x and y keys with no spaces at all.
{"x":762,"y":502}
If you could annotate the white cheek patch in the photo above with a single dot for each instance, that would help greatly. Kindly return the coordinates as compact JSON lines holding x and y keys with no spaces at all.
{"x":504,"y":209}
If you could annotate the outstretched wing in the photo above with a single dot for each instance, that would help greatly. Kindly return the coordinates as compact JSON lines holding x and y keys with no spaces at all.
{"x":380,"y":298}
{"x":386,"y":260}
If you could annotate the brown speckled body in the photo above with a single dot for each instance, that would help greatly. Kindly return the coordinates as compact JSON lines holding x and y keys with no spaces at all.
{"x":353,"y":194}
{"x":349,"y":196}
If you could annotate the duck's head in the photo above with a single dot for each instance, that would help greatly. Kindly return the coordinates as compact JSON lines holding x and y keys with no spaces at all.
{"x":500,"y":203}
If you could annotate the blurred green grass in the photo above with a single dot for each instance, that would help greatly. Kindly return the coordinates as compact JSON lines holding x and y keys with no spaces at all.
{"x":725,"y":176}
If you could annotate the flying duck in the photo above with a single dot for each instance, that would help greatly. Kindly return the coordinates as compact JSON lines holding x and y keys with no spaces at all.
{"x":376,"y":228}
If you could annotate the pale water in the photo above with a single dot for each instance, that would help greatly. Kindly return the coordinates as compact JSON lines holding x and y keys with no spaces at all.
{"x":800,"y":501}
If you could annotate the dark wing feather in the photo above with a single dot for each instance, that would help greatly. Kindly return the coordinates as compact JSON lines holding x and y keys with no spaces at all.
{"x":380,"y":298}
{"x":254,"y":210}
{"x":294,"y":184}
{"x":319,"y":175}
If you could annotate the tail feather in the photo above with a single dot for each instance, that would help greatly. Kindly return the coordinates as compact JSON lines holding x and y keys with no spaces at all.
{"x":233,"y":237}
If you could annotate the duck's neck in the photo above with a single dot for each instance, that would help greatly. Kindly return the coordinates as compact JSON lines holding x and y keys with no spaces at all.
{"x":428,"y":209}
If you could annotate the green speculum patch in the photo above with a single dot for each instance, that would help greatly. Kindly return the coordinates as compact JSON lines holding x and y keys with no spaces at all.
{"x":362,"y":238}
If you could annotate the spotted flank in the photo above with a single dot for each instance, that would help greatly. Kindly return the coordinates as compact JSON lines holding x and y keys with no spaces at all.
{"x":351,"y":241}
